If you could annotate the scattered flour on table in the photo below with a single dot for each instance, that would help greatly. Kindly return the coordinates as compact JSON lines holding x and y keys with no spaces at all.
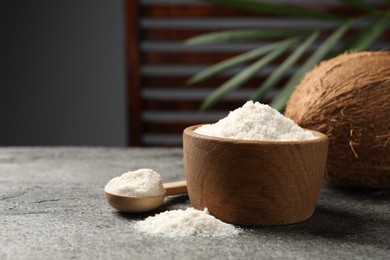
{"x":256,"y":121}
{"x":137,"y":184}
{"x":184,"y":223}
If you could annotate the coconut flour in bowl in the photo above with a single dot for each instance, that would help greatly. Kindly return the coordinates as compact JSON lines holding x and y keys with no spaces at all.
{"x":256,"y":121}
{"x":252,"y":121}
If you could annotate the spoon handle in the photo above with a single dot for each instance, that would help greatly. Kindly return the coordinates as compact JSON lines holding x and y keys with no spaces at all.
{"x":175,"y":188}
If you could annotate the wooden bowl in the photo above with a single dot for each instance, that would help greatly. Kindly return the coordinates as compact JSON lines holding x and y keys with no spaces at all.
{"x":260,"y":183}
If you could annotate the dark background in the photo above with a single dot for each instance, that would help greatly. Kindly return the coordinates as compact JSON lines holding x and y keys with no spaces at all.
{"x":62,"y":73}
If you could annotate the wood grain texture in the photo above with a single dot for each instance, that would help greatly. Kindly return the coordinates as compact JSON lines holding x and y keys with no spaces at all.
{"x":254,"y":182}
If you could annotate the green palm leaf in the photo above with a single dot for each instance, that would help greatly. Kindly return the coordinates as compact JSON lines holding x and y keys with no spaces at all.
{"x":237,"y":60}
{"x":243,"y":76}
{"x":279,"y":9}
{"x":242,"y":35}
{"x":358,"y":42}
{"x":366,"y":37}
{"x":281,"y":99}
{"x":284,"y":67}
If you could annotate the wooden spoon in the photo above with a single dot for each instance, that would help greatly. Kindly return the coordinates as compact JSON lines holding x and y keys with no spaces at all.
{"x":138,"y":205}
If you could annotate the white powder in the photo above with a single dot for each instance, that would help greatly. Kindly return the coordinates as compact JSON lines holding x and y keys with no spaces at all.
{"x":185,"y":223}
{"x":255,"y":121}
{"x":137,"y":184}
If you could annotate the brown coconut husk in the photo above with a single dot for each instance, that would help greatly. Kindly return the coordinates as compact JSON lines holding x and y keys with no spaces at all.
{"x":348,"y":98}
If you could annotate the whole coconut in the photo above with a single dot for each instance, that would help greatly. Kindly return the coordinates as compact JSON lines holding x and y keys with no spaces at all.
{"x":348,"y":98}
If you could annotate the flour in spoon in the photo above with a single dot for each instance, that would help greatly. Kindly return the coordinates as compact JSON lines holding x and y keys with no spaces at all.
{"x":185,"y":223}
{"x":256,"y":121}
{"x":137,"y":184}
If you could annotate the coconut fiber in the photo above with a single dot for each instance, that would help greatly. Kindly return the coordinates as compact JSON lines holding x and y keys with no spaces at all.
{"x":348,"y":98}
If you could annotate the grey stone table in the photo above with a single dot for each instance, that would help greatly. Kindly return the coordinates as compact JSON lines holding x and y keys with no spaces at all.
{"x":52,"y":206}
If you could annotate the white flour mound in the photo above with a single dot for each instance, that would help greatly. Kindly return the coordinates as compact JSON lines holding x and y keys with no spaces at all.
{"x":185,"y":223}
{"x":137,"y":184}
{"x":256,"y":121}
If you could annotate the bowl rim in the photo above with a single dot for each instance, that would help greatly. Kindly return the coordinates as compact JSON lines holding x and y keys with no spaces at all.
{"x":190,"y":131}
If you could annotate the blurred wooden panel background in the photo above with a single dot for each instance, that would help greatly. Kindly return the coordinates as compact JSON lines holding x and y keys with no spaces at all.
{"x":160,"y":105}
